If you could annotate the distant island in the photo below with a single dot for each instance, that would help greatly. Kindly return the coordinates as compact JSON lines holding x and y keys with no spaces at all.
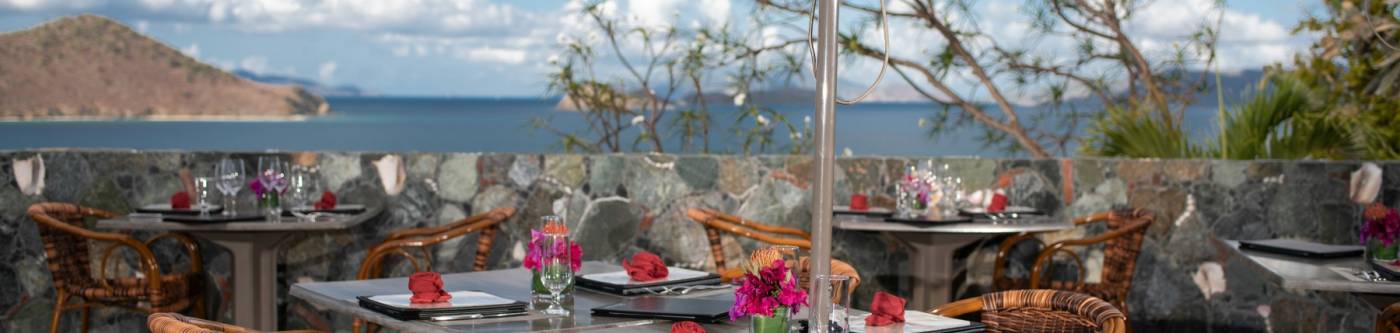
{"x":91,"y":67}
{"x":314,"y":87}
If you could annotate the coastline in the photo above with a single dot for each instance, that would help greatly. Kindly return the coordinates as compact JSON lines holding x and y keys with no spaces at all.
{"x":157,"y":118}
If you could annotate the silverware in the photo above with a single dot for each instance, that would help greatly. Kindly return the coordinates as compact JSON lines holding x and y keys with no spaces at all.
{"x":477,"y":316}
{"x":683,"y":290}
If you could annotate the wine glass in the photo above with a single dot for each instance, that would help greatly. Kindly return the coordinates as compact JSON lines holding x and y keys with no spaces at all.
{"x":555,"y":271}
{"x":229,"y":173}
{"x":272,"y":174}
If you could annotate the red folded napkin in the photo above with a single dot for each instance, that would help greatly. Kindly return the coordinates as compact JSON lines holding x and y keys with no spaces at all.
{"x":327,"y":201}
{"x":886,"y":309}
{"x":998,"y":203}
{"x":181,"y":200}
{"x":645,"y":267}
{"x":687,"y":327}
{"x":427,"y":288}
{"x":859,"y":202}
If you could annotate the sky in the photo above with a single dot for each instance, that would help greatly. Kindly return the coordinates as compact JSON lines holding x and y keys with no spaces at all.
{"x":502,"y":48}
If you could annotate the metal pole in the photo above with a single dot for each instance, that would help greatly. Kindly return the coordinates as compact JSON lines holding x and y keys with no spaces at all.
{"x":825,"y":158}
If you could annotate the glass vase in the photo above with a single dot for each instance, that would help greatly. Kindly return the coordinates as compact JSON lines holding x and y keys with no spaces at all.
{"x":1379,"y":251}
{"x":271,"y":205}
{"x":541,"y":293}
{"x":778,"y":323}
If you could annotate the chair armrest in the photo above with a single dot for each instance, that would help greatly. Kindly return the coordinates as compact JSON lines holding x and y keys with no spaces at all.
{"x":959,"y":308}
{"x":370,"y":267}
{"x":147,"y":260}
{"x":999,"y":266}
{"x":499,"y":214}
{"x":191,"y":248}
{"x":759,"y":225}
{"x":1049,"y":251}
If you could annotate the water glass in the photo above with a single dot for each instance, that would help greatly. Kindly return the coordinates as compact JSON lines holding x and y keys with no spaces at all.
{"x":202,"y":192}
{"x":229,"y":174}
{"x":555,"y":271}
{"x":838,"y":286}
{"x":303,"y":189}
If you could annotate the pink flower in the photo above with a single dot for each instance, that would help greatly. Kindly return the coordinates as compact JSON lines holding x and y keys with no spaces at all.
{"x":534,"y":252}
{"x":762,"y":293}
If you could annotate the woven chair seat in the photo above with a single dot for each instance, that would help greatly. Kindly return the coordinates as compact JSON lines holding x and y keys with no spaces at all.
{"x":173,"y":296}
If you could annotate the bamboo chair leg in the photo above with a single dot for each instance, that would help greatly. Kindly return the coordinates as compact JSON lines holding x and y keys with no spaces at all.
{"x":57,"y":311}
{"x":87,"y":319}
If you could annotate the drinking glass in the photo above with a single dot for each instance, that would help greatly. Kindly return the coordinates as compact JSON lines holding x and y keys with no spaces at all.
{"x":838,"y":286}
{"x":202,"y":192}
{"x":229,"y":173}
{"x":555,"y":272}
{"x":303,"y":189}
{"x":272,"y":174}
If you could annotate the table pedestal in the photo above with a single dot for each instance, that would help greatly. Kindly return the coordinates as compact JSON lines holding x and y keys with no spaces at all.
{"x":254,"y":276}
{"x":932,"y":263}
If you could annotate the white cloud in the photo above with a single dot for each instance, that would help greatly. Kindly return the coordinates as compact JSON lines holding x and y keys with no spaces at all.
{"x":142,"y":26}
{"x":192,"y":51}
{"x":327,"y":71}
{"x":492,"y":54}
{"x":255,"y":64}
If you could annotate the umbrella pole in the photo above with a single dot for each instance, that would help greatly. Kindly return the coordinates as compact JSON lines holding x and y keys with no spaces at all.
{"x":825,"y":157}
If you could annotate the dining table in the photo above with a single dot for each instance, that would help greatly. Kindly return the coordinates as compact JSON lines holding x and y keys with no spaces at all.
{"x":932,"y":245}
{"x":342,"y":297}
{"x":253,"y":245}
{"x":1346,"y":274}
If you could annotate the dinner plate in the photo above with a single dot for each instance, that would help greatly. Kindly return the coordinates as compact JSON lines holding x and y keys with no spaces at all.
{"x":166,"y":209}
{"x":871,"y":211}
{"x":339,"y":209}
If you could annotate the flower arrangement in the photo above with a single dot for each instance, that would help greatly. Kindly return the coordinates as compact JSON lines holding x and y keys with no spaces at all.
{"x":1381,"y":224}
{"x":535,"y":251}
{"x":761,"y":292}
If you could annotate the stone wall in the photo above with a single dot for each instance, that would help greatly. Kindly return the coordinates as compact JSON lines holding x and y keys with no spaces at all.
{"x":617,"y":205}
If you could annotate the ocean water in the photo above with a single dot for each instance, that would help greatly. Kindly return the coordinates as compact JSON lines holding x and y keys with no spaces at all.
{"x":486,"y":125}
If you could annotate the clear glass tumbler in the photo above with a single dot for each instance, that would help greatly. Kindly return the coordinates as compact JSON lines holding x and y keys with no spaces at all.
{"x":838,"y":286}
{"x":203,"y":191}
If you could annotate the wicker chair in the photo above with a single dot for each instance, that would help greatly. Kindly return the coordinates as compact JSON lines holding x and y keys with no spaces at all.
{"x":1040,"y":311}
{"x":1389,"y":319}
{"x":1121,"y":243}
{"x":400,"y":242}
{"x":175,"y":323}
{"x":66,"y":248}
{"x":715,"y":222}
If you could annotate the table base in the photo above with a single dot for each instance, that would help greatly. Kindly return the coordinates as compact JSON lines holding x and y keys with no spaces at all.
{"x":254,"y":276}
{"x":932,"y":263}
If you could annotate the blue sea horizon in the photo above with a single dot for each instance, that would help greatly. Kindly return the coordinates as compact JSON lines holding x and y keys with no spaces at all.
{"x":496,"y":125}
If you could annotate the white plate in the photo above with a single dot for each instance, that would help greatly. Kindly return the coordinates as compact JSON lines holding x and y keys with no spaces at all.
{"x":1008,"y":210}
{"x":460,"y":299}
{"x":914,"y":321}
{"x":166,"y":207}
{"x":621,"y":278}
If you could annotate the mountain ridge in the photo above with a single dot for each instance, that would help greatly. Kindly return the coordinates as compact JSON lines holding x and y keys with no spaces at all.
{"x":89,"y":66}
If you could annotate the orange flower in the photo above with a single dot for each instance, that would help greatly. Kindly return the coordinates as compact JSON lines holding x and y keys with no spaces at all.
{"x":1375,"y":211}
{"x":555,"y":228}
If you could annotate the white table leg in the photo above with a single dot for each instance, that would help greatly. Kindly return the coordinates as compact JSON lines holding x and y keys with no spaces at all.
{"x":254,"y":276}
{"x":932,"y":263}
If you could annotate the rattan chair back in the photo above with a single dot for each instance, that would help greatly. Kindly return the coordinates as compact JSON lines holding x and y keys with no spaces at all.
{"x":1040,"y":311}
